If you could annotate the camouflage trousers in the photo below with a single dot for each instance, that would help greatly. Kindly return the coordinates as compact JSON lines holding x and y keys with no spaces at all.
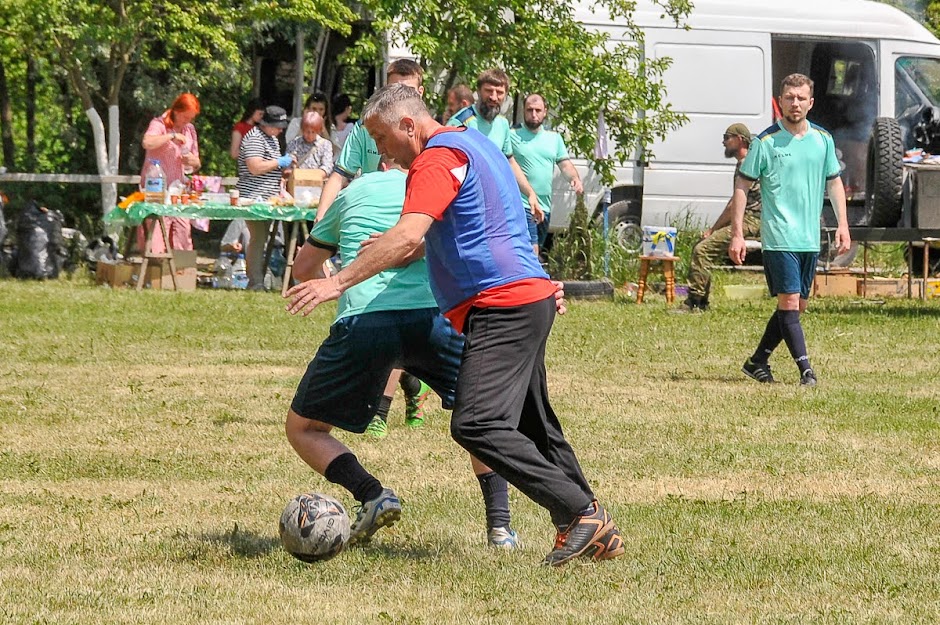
{"x":713,"y":250}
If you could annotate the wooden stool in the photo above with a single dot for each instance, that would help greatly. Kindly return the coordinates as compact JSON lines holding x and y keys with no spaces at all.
{"x":669,"y":272}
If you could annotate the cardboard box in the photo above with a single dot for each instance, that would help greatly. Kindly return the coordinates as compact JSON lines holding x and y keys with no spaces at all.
{"x":888,"y":287}
{"x":305,"y":178}
{"x":897,"y":287}
{"x":124,"y":274}
{"x":835,"y":285}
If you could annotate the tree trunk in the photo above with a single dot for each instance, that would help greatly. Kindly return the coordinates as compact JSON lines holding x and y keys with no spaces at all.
{"x":32,"y":77}
{"x":6,"y":122}
{"x":108,"y":191}
{"x":298,"y":103}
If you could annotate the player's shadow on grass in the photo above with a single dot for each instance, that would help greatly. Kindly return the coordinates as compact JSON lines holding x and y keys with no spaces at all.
{"x":698,"y":376}
{"x":243,"y":544}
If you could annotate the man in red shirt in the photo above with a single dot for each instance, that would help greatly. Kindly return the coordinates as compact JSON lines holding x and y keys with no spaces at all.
{"x":462,"y":203}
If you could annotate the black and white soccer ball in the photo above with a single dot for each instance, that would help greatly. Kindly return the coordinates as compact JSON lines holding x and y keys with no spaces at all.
{"x":314,"y":527}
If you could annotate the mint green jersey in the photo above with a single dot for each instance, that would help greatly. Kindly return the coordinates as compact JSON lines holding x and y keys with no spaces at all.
{"x":793,"y":174}
{"x":497,"y":131}
{"x":373,"y":203}
{"x":537,"y":154}
{"x":359,"y":153}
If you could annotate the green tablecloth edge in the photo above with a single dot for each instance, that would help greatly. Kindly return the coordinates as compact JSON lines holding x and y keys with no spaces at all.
{"x":138,"y":211}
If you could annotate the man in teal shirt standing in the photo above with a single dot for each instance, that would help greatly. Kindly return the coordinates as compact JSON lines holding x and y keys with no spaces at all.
{"x":795,"y":161}
{"x":538,"y":151}
{"x":492,"y":86}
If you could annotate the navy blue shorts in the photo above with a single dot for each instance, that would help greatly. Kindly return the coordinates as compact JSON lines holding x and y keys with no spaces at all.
{"x":345,"y":380}
{"x":790,"y":272}
{"x":533,"y":228}
{"x":542,"y":229}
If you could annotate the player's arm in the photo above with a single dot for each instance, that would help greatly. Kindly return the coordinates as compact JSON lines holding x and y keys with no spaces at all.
{"x":390,"y":250}
{"x":737,"y":248}
{"x":837,"y":197}
{"x":571,"y":173}
{"x":537,"y":213}
{"x":416,"y":254}
{"x":308,"y":265}
{"x":334,"y":184}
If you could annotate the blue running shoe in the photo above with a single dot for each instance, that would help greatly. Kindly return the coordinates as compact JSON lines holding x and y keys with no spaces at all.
{"x":503,"y":538}
{"x":373,"y":515}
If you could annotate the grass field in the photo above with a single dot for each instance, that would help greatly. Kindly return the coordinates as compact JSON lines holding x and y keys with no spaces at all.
{"x":143,"y":468}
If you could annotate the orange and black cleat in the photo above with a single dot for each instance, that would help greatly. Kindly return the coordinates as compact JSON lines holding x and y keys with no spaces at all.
{"x":593,"y":535}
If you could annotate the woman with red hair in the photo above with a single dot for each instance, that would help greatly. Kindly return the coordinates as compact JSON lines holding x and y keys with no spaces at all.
{"x":172,"y":140}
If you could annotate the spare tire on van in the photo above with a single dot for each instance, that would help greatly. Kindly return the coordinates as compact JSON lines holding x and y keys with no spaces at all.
{"x":883,"y":174}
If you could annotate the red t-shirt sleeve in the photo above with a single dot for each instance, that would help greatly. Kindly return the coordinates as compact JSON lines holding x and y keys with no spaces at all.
{"x":434,"y":180}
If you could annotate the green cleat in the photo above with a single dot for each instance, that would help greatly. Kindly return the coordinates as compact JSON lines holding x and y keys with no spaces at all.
{"x":414,"y":407}
{"x":378,"y":428}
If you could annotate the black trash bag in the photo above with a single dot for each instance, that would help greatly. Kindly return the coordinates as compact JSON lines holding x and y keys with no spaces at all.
{"x":102,"y":248}
{"x":39,"y":249}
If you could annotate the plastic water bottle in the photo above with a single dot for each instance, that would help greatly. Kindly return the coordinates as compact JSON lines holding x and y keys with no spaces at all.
{"x":223,"y":273}
{"x":155,"y":182}
{"x":239,"y":273}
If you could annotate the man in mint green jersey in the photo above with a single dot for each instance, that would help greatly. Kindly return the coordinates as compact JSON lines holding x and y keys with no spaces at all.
{"x":795,"y":161}
{"x":492,"y":87}
{"x":388,"y":321}
{"x":538,"y":151}
{"x":360,"y":156}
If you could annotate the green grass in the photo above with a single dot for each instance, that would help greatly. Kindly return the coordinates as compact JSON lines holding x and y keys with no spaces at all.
{"x":143,"y":468}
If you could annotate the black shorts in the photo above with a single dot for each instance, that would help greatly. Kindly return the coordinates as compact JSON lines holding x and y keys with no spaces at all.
{"x":345,"y":380}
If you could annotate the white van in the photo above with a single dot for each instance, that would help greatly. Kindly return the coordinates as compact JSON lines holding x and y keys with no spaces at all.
{"x":868,"y":61}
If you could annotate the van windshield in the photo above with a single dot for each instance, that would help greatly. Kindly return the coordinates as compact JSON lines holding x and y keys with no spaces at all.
{"x":924,"y":73}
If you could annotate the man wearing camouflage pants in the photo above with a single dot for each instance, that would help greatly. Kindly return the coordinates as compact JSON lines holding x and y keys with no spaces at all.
{"x":712,"y":249}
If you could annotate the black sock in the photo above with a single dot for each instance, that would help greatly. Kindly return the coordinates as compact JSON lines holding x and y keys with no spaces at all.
{"x":770,"y":340}
{"x":410,"y":384}
{"x":496,"y":497}
{"x":792,"y":333}
{"x":384,"y":404}
{"x":346,"y":471}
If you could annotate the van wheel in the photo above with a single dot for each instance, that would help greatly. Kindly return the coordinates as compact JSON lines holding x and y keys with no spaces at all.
{"x":623,"y":218}
{"x":883,"y":174}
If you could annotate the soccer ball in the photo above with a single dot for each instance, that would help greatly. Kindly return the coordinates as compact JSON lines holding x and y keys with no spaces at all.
{"x":314,"y":527}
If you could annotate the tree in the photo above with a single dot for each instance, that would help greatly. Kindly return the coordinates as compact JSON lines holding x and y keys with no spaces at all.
{"x":543,"y":48}
{"x":97,"y":42}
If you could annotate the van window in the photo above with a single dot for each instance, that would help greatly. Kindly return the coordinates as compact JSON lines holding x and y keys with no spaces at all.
{"x":689,"y":93}
{"x":924,"y":73}
{"x":845,"y":99}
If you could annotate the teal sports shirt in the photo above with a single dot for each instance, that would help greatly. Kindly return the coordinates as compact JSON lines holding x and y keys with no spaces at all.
{"x":537,"y":154}
{"x":373,"y":203}
{"x":359,"y":153}
{"x":793,"y":173}
{"x":496,"y":131}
